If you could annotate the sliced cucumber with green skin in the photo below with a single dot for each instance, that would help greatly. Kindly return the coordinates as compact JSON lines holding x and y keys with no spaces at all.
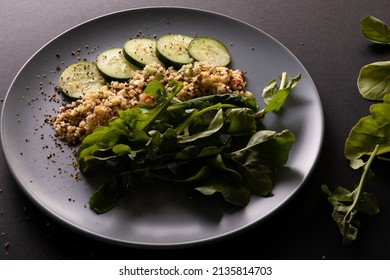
{"x":114,"y":66}
{"x":80,"y":78}
{"x":141,"y":51}
{"x":172,"y":50}
{"x":210,"y":50}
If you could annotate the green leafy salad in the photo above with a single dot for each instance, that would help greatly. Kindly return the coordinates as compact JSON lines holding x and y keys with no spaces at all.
{"x":368,"y":139}
{"x":212,"y":144}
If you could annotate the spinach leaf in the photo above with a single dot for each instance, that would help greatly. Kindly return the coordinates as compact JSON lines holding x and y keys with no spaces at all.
{"x":214,"y":169}
{"x":195,"y":114}
{"x":236,"y":195}
{"x":347,"y":205}
{"x":215,"y":125}
{"x":106,"y":196}
{"x":210,"y":100}
{"x":154,"y":113}
{"x":98,"y":145}
{"x":241,"y":121}
{"x":265,"y":152}
{"x":275,"y":96}
{"x":370,"y":131}
{"x":217,"y":177}
{"x":375,"y":30}
{"x":374,"y":80}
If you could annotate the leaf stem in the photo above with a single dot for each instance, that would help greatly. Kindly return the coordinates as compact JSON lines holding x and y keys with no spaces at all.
{"x":283,"y":80}
{"x":384,"y":158}
{"x":359,"y":188}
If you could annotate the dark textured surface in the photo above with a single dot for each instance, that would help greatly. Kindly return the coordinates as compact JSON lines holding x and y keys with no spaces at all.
{"x":323,"y":35}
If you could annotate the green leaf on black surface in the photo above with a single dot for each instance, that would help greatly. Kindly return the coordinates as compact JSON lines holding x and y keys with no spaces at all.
{"x":374,"y":80}
{"x":375,"y":30}
{"x":370,"y":131}
{"x":348,"y":204}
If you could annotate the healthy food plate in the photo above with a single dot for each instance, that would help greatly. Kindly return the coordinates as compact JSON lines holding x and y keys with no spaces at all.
{"x":154,"y":217}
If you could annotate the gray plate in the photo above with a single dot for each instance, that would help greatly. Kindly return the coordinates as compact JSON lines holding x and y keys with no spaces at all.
{"x":156,"y":216}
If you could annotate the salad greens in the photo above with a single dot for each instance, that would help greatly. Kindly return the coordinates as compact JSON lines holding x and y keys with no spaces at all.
{"x":370,"y":137}
{"x":374,"y":80}
{"x":347,"y":204}
{"x":274,"y":95}
{"x":373,"y":84}
{"x":369,"y":132}
{"x":211,"y":144}
{"x":375,"y":30}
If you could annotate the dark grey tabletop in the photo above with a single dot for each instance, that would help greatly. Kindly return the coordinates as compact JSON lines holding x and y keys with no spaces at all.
{"x":323,"y":35}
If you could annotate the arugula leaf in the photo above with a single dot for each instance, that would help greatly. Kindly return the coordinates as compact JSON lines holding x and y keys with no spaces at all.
{"x":241,"y":121}
{"x":236,"y":195}
{"x":265,"y":152}
{"x":369,"y":137}
{"x":347,"y":205}
{"x":214,"y":126}
{"x":210,"y":100}
{"x":106,"y":196}
{"x":274,"y":96}
{"x":156,"y":112}
{"x":97,"y":146}
{"x":375,"y":30}
{"x":370,"y":131}
{"x":217,"y":177}
{"x":374,"y":80}
{"x":214,"y":169}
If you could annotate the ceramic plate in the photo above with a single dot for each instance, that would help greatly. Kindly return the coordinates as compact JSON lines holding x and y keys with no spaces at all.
{"x":154,"y":217}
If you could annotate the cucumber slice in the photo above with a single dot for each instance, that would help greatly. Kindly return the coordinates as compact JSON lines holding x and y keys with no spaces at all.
{"x":80,"y":78}
{"x":210,"y":50}
{"x":172,"y":50}
{"x":141,"y":51}
{"x":114,"y":66}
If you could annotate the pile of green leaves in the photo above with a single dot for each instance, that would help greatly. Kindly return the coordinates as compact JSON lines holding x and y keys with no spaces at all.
{"x":369,"y":138}
{"x":212,"y":144}
{"x":347,"y":205}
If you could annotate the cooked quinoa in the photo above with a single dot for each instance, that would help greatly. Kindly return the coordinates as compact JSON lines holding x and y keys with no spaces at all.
{"x":79,"y":118}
